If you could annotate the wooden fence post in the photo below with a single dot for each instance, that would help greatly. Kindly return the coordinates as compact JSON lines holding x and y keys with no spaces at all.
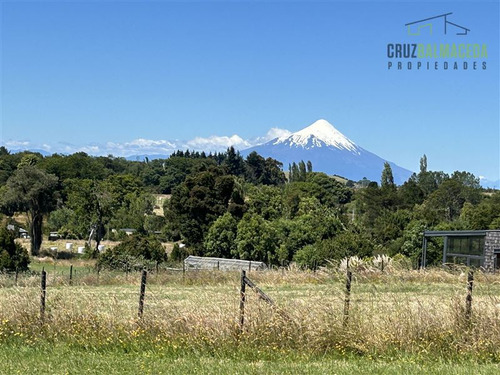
{"x":347,"y":300}
{"x":71,"y":275}
{"x":468,"y":299}
{"x":143,"y":291}
{"x":263,"y":296}
{"x":43,"y":291}
{"x":242,"y":299}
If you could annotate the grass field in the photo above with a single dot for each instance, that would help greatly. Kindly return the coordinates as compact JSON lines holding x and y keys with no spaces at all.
{"x":399,"y":322}
{"x":67,"y":360}
{"x":61,"y":267}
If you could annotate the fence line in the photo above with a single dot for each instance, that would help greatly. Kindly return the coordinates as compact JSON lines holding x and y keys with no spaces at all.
{"x":244,"y":282}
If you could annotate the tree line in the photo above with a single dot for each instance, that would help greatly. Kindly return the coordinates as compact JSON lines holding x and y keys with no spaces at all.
{"x":228,"y":206}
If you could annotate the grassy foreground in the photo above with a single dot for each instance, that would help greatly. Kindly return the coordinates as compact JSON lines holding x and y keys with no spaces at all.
{"x":61,"y":359}
{"x":399,"y":321}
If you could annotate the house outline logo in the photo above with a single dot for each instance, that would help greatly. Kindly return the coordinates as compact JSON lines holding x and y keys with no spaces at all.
{"x":423,"y":24}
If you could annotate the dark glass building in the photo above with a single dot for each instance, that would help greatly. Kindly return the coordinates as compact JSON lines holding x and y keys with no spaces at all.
{"x":474,"y":248}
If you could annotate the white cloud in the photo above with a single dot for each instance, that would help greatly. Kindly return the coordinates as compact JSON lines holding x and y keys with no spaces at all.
{"x":216,"y":143}
{"x":141,"y":146}
{"x":69,"y":149}
{"x":92,"y":150}
{"x":17,"y":144}
{"x":277,"y":133}
{"x":272,"y":133}
{"x":146,"y":143}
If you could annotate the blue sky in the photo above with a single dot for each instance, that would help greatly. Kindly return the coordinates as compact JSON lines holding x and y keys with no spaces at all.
{"x":125,"y":77}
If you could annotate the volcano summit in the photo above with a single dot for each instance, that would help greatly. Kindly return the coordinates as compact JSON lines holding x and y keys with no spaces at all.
{"x":329,"y":151}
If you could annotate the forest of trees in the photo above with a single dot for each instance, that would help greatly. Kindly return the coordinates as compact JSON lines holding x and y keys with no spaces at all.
{"x":227,"y":206}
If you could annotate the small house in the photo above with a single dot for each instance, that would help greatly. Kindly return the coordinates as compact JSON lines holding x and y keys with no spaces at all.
{"x":128,"y":231}
{"x":474,"y":248}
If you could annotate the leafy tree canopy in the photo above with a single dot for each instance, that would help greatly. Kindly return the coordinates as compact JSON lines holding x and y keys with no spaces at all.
{"x":135,"y":253}
{"x":32,"y":191}
{"x":13,"y":257}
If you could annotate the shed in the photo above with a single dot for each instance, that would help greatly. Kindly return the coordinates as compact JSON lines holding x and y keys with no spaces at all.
{"x":210,"y":263}
{"x":128,"y":231}
{"x":21,"y":233}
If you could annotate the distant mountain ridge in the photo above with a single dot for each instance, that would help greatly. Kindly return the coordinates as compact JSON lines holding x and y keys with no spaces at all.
{"x":148,"y":156}
{"x":489,"y":184}
{"x":329,"y":151}
{"x":33,"y":150}
{"x":326,"y":147}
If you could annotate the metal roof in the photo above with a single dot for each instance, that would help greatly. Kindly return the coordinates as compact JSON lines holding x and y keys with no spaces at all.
{"x":456,"y":233}
{"x":194,"y":262}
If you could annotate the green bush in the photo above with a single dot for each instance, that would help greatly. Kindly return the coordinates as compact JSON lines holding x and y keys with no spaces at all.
{"x":61,"y":254}
{"x":343,"y":245}
{"x":403,"y":262}
{"x":134,"y":253}
{"x":309,"y":257}
{"x":12,"y":255}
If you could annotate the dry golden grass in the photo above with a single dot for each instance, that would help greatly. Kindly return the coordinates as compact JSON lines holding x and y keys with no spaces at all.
{"x":418,"y":312}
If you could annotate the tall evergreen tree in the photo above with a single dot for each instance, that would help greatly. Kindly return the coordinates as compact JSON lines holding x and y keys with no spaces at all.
{"x":302,"y":171}
{"x":233,"y":162}
{"x":423,"y":164}
{"x":387,"y":180}
{"x":295,"y":173}
{"x":309,"y":166}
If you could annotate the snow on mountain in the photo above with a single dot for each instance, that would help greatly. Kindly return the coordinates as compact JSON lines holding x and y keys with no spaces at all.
{"x":321,"y":133}
{"x":329,"y":151}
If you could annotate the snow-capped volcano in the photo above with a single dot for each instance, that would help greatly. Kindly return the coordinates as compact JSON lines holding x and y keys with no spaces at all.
{"x":319,"y":134}
{"x":329,"y":151}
